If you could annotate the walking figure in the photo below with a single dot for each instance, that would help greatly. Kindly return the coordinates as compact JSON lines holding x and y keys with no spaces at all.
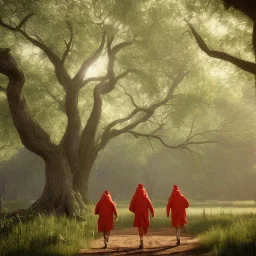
{"x":178,"y":204}
{"x":106,"y":209}
{"x":141,"y":205}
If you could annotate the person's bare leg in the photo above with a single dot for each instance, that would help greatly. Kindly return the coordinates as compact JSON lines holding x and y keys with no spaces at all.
{"x":107,"y":234}
{"x":105,"y":240}
{"x":141,"y":234}
{"x":178,"y":234}
{"x":141,"y":243}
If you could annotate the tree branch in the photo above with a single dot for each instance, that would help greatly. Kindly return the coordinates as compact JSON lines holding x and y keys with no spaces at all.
{"x":246,"y":7}
{"x":69,"y":44}
{"x":79,"y":77}
{"x":62,"y":75}
{"x":112,"y":53}
{"x":185,"y":144}
{"x":109,"y":133}
{"x":125,"y":73}
{"x":92,"y":124}
{"x":130,"y":96}
{"x":32,"y":135}
{"x":243,"y":64}
{"x":182,"y":145}
{"x":24,"y":20}
{"x":88,"y":135}
{"x":57,"y":100}
{"x":151,"y":109}
{"x":118,"y":47}
{"x":93,"y":79}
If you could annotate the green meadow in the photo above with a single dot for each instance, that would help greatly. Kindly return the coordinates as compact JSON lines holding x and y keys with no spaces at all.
{"x":225,"y":228}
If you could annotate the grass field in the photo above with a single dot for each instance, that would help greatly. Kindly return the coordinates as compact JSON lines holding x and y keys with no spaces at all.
{"x":49,"y":236}
{"x":226,"y":228}
{"x":197,"y":211}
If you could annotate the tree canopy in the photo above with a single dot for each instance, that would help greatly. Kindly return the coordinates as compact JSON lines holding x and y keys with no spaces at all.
{"x":90,"y":71}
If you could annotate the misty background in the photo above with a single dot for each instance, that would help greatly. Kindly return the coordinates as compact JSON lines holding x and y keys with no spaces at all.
{"x":224,"y":171}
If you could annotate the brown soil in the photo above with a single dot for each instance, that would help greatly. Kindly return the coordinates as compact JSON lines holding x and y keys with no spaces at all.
{"x":157,"y":242}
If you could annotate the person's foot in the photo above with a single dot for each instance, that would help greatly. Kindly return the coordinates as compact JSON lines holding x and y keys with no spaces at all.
{"x":178,"y":242}
{"x":105,"y":246}
{"x":141,"y":246}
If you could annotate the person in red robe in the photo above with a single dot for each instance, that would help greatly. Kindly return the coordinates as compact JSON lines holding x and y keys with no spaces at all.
{"x":106,"y":209}
{"x":178,"y":204}
{"x":140,"y":205}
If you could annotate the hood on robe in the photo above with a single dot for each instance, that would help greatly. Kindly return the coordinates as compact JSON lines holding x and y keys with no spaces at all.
{"x":175,"y":191}
{"x":141,"y":190}
{"x":140,"y":186}
{"x":106,"y":196}
{"x":175,"y":187}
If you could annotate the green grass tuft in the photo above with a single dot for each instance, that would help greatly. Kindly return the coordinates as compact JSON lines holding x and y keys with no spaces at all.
{"x":231,"y":235}
{"x":47,"y":235}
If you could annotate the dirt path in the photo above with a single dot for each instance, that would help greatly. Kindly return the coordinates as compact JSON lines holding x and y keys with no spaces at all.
{"x":157,"y":242}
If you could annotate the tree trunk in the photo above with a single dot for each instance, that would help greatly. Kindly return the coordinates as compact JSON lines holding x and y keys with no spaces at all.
{"x":254,"y":47}
{"x":59,"y":195}
{"x":81,"y":176}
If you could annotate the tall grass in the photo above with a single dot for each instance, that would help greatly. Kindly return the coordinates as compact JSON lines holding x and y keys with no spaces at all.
{"x":47,"y":235}
{"x":228,"y":235}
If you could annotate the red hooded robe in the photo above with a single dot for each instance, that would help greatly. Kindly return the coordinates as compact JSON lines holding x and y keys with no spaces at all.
{"x":177,"y":203}
{"x":141,"y":205}
{"x":106,"y":208}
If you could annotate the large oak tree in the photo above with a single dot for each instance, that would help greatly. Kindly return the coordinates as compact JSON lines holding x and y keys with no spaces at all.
{"x":143,"y":64}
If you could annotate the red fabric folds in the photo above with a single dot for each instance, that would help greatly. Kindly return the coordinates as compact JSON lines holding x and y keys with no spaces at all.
{"x":142,"y":231}
{"x":105,"y":208}
{"x":177,"y":204}
{"x":141,"y":205}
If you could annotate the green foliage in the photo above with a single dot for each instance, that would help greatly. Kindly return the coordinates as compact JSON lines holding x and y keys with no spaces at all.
{"x":160,"y":51}
{"x":48,"y":235}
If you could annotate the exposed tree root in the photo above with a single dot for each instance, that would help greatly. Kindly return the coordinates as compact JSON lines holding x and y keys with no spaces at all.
{"x":70,"y":204}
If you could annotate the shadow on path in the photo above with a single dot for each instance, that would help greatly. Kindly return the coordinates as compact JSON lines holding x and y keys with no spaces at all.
{"x":158,"y":242}
{"x":130,"y":251}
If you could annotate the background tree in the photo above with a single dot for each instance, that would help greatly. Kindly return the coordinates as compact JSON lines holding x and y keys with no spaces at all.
{"x":247,"y":8}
